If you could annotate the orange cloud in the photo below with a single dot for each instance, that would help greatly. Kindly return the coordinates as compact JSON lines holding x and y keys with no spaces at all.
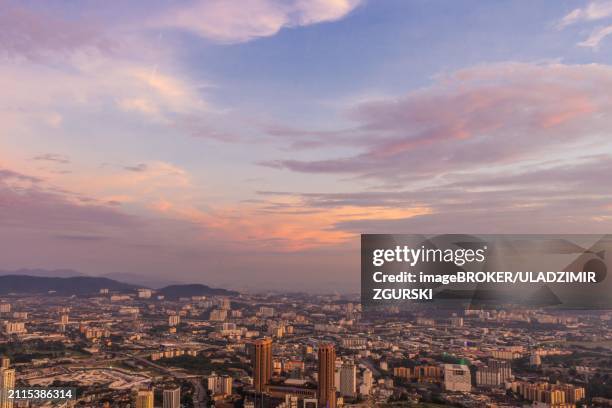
{"x":292,"y":226}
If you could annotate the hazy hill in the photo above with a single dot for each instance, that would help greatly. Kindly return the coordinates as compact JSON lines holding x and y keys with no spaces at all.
{"x":76,"y":285}
{"x":141,"y":280}
{"x":87,"y":285}
{"x":49,"y":273}
{"x":177,"y":291}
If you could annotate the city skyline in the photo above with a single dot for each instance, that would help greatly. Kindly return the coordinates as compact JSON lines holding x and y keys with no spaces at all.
{"x":248,"y":146}
{"x":109,"y":349}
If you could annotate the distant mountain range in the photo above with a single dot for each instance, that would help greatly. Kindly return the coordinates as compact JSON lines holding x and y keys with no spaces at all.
{"x":131,"y":278}
{"x":88,"y":285}
{"x":49,"y":273}
{"x":76,"y":285}
{"x":140,"y":280}
{"x":177,"y":291}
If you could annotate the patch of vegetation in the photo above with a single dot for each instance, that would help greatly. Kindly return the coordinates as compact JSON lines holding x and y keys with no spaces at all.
{"x":200,"y":364}
{"x":599,"y":385}
{"x":24,"y":352}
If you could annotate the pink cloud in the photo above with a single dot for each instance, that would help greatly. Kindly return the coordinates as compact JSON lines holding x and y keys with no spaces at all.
{"x":480,"y":116}
{"x":28,"y":202}
{"x":549,"y":197}
{"x":235,"y":22}
{"x":31,"y":34}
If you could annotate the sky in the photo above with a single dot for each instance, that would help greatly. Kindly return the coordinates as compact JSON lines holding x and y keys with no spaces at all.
{"x":248,"y":144}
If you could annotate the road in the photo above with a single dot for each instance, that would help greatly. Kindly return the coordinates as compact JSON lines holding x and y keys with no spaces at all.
{"x":199,"y":394}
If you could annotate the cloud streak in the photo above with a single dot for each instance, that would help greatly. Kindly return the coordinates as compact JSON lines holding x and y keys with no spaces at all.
{"x":237,"y":22}
{"x":545,"y":198}
{"x":53,"y":158}
{"x":596,"y":37}
{"x":593,"y":11}
{"x":483,"y":116}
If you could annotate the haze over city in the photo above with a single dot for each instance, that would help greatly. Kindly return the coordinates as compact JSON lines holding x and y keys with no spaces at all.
{"x":247,"y":144}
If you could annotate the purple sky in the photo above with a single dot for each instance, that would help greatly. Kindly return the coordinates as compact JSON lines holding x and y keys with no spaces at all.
{"x":248,"y":144}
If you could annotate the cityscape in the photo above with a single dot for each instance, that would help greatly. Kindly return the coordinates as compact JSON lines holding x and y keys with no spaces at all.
{"x":186,"y":189}
{"x":166,"y":348}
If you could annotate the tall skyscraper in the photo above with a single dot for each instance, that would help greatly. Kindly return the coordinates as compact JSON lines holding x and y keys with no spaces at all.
{"x":5,"y":362}
{"x":7,"y":382}
{"x":262,"y":363}
{"x":326,"y":373}
{"x":348,"y":380}
{"x":172,"y":398}
{"x":144,"y":398}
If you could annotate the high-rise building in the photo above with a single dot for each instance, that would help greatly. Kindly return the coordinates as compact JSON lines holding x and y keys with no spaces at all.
{"x":428,"y":373}
{"x":327,"y":363}
{"x":535,"y":359}
{"x":504,"y":367}
{"x":174,"y":320}
{"x":226,"y":385}
{"x":218,"y":315}
{"x":262,"y":363}
{"x":551,"y":394}
{"x":7,"y":382}
{"x":355,"y":343}
{"x":172,"y":397}
{"x":14,"y":328}
{"x":144,"y":398}
{"x":457,"y":377}
{"x":225,"y":304}
{"x":366,"y":384}
{"x":505,"y":354}
{"x":265,"y":311}
{"x":144,"y":293}
{"x":488,"y":377}
{"x":221,"y":385}
{"x":5,"y":362}
{"x":348,"y":380}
